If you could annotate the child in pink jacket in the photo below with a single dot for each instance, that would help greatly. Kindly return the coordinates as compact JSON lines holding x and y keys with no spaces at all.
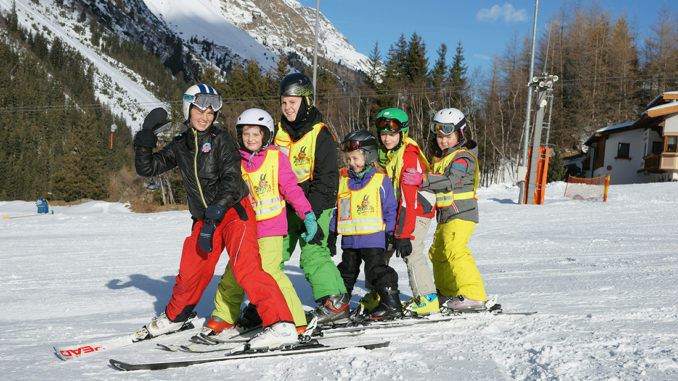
{"x":272,"y":184}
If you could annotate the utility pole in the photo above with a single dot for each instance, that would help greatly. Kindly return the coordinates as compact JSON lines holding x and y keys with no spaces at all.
{"x":522,"y":168}
{"x":315,"y":49}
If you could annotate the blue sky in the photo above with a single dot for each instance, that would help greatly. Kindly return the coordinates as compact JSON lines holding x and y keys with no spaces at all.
{"x":483,"y":27}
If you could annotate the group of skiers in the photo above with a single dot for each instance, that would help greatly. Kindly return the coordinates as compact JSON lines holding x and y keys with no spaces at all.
{"x":382,"y":203}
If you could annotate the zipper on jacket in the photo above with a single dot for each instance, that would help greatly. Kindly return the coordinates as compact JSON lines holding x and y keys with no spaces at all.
{"x":195,"y":168}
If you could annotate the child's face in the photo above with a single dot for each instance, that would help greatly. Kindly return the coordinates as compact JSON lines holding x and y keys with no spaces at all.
{"x":446,"y":141}
{"x":389,"y":139}
{"x":290,"y":106}
{"x":201,"y":119}
{"x":355,"y":160}
{"x":252,"y":137}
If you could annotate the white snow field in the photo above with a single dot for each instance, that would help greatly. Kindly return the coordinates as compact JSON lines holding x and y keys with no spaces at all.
{"x":602,"y":277}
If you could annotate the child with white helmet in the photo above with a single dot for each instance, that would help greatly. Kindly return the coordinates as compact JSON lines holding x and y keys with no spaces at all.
{"x":272,"y":185}
{"x":223,"y":217}
{"x":454,"y":180}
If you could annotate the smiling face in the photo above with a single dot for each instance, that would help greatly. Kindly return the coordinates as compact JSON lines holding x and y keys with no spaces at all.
{"x":355,"y":160}
{"x":252,"y":137}
{"x":201,"y":119}
{"x":446,"y":141}
{"x":389,"y":139}
{"x":290,"y":106}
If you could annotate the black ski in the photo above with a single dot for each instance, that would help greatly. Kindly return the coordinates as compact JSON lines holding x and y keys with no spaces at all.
{"x":297,"y":349}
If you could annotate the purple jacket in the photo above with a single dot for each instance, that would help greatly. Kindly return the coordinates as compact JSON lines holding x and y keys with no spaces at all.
{"x":389,"y":210}
{"x":288,"y":187}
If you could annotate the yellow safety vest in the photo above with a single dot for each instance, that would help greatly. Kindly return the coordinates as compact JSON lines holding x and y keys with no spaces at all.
{"x":359,"y":211}
{"x":395,"y":165}
{"x":263,"y":183}
{"x":448,"y":198}
{"x":301,"y":152}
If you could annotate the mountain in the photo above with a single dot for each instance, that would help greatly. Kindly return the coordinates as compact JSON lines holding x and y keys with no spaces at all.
{"x":187,"y":38}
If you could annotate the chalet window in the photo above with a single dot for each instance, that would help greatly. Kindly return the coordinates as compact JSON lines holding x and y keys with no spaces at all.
{"x":623,"y":151}
{"x":671,"y":143}
{"x":657,"y":147}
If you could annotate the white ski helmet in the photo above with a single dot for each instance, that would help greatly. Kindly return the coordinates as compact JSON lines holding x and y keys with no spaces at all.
{"x":449,"y":120}
{"x":256,"y":117}
{"x":202,"y":96}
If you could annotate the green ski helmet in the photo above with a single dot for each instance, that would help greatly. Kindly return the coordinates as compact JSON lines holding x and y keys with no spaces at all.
{"x":393,"y":120}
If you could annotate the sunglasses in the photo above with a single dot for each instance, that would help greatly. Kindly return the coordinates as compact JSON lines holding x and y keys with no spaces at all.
{"x":389,"y":124}
{"x":204,"y":100}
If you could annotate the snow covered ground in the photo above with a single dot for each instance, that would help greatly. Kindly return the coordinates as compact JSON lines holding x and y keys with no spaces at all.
{"x":602,"y":277}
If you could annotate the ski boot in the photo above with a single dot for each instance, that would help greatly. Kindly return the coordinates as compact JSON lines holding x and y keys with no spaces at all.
{"x":217,"y":331}
{"x":275,"y":336}
{"x":370,"y":301}
{"x":333,"y":309}
{"x":249,"y":317}
{"x":161,"y":325}
{"x":422,"y":305}
{"x":389,"y":305}
{"x":461,"y":304}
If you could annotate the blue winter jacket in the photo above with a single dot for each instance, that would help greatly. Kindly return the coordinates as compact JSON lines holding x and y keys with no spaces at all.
{"x":389,"y":210}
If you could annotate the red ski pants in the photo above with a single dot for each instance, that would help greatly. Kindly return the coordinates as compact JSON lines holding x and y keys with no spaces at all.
{"x":196,"y":269}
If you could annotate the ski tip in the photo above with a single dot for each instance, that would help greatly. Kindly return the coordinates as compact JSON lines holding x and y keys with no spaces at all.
{"x":382,"y":344}
{"x":119,"y":365}
{"x":58,"y":354}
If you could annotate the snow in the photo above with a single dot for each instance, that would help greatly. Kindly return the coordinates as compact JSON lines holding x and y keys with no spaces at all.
{"x":600,"y":275}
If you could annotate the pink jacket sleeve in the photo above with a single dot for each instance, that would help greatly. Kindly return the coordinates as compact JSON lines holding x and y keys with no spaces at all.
{"x":290,"y":189}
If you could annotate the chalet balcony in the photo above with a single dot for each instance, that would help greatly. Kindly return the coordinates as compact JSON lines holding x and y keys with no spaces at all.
{"x":652,"y":163}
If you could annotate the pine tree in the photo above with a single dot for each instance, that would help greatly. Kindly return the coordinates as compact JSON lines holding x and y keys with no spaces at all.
{"x":416,"y":63}
{"x":458,"y":88}
{"x":438,"y":73}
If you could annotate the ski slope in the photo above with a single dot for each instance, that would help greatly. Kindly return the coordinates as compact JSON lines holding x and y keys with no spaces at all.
{"x":601,"y":275}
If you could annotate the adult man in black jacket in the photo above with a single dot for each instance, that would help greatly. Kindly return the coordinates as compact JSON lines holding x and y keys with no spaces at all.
{"x":209,"y":163}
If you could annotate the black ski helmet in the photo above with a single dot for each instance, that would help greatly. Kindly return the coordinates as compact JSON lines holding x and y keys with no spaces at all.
{"x":297,"y":85}
{"x":364,"y":141}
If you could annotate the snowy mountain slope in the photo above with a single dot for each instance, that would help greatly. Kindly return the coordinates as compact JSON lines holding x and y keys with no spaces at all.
{"x":601,"y":275}
{"x":116,"y":86}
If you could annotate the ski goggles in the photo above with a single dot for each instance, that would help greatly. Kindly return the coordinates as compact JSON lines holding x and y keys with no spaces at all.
{"x":351,"y":145}
{"x":447,"y":128}
{"x":204,"y":100}
{"x":389,"y":124}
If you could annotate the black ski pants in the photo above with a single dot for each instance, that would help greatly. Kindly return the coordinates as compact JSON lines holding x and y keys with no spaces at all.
{"x":377,"y":272}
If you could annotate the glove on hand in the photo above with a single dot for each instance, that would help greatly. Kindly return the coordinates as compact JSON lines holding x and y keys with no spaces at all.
{"x":213,"y":215}
{"x":145,"y":138}
{"x":332,"y":243}
{"x":311,"y":227}
{"x":390,"y":242}
{"x":155,"y":119}
{"x":412,"y":177}
{"x":403,"y":247}
{"x":318,"y":239}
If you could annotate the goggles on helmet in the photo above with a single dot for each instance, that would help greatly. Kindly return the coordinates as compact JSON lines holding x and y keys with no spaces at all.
{"x":204,"y":100}
{"x":388,"y":124}
{"x":446,"y":128}
{"x":351,"y":145}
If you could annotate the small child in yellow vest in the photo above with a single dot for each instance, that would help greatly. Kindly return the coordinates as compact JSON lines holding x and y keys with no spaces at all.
{"x":272,"y":184}
{"x":365,"y":217}
{"x":454,"y":180}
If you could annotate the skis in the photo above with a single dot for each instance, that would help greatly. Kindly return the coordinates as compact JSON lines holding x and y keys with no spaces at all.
{"x":312,"y":346}
{"x":68,"y":352}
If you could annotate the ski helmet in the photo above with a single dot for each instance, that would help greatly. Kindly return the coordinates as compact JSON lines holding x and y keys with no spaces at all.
{"x":256,"y":117}
{"x":364,"y":141}
{"x":394,"y":120}
{"x":202,"y":96}
{"x":449,"y":120}
{"x":297,"y":85}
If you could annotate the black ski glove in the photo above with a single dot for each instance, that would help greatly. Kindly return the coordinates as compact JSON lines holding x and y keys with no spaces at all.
{"x":153,"y":123}
{"x":318,"y":238}
{"x":332,"y":243}
{"x":213,"y":215}
{"x":403,"y":247}
{"x":390,"y":241}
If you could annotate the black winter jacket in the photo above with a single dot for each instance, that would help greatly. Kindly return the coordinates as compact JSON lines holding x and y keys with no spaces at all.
{"x":218,"y":181}
{"x":322,"y":191}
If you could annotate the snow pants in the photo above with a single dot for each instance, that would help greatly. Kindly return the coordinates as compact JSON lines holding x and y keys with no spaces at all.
{"x":315,"y":260}
{"x":239,"y":238}
{"x":377,"y":272}
{"x":418,"y":269}
{"x":454,"y":269}
{"x":230,"y":295}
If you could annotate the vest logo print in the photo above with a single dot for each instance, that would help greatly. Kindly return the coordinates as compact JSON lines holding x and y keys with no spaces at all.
{"x":263,"y":186}
{"x":301,"y":157}
{"x":206,"y":147}
{"x":365,"y":207}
